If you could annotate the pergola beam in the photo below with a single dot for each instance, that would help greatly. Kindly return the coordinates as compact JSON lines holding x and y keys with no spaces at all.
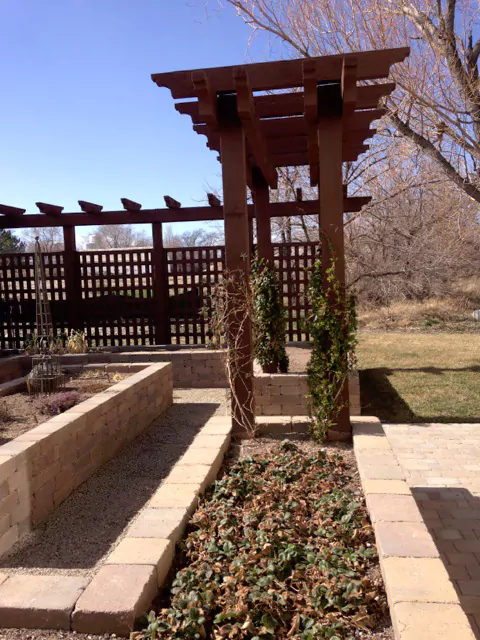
{"x":249,"y":120}
{"x":90,"y":207}
{"x":291,"y":104}
{"x":284,"y":74}
{"x":49,"y":209}
{"x":186,"y":214}
{"x":11,"y":211}
{"x":172,"y":203}
{"x":130,"y":205}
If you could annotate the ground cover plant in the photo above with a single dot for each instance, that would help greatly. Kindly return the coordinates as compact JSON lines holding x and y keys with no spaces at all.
{"x":280,"y":547}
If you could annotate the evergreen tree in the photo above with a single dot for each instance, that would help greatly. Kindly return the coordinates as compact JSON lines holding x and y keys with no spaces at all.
{"x":9,"y":243}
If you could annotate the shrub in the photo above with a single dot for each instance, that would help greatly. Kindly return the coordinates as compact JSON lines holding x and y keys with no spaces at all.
{"x":76,"y":342}
{"x":62,"y":401}
{"x":268,"y":317}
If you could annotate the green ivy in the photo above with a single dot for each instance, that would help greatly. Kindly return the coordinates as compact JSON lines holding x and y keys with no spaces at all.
{"x":269,"y":317}
{"x":332,"y":325}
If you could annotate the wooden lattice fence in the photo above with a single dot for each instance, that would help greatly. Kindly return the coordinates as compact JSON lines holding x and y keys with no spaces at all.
{"x":115,"y":299}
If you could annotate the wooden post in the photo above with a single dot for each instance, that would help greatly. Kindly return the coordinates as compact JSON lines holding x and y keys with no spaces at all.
{"x":160,"y":287}
{"x":261,"y":199}
{"x":330,"y":190}
{"x":73,"y":287}
{"x":237,"y":259}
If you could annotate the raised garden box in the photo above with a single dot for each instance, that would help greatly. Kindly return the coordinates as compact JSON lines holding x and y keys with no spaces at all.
{"x":40,"y":468}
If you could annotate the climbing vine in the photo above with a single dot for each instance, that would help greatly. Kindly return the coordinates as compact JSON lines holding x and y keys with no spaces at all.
{"x":269,"y":318}
{"x":332,"y":326}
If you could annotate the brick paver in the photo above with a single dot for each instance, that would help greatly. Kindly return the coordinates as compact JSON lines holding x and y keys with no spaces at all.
{"x":441,"y":466}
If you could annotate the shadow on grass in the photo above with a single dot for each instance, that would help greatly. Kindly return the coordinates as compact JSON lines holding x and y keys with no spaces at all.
{"x":85,"y":526}
{"x":380,"y":398}
{"x":452,"y":516}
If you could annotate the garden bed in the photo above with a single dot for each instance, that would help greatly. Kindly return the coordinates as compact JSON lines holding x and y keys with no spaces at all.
{"x":20,"y":412}
{"x":280,"y":547}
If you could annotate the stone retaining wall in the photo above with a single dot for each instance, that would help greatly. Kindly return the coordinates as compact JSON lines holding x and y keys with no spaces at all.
{"x":14,"y":367}
{"x":40,"y":468}
{"x":285,"y":394}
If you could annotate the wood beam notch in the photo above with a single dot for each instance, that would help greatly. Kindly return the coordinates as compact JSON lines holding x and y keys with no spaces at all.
{"x":49,"y":209}
{"x":213,"y":201}
{"x":90,"y":207}
{"x":130,"y":205}
{"x":11,"y":211}
{"x":172,"y":203}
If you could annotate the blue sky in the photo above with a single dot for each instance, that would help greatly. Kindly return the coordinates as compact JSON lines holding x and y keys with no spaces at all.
{"x":80,"y":117}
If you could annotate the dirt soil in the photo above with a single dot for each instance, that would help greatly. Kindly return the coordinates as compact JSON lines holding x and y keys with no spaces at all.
{"x":21,"y":412}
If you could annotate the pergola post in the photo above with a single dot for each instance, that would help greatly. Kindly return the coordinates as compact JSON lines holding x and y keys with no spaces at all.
{"x":261,"y":198}
{"x":71,"y":270}
{"x":237,"y":262}
{"x":330,"y":190}
{"x":160,"y":287}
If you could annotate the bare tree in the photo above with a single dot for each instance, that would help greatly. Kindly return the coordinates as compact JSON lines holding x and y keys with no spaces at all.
{"x":437,"y":102}
{"x":192,"y":238}
{"x":50,"y":238}
{"x":118,"y":236}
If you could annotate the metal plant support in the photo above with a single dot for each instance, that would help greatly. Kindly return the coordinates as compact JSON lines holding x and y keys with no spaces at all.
{"x":46,"y":375}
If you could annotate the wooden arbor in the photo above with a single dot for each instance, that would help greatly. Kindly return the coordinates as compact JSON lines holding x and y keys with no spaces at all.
{"x":259,"y":117}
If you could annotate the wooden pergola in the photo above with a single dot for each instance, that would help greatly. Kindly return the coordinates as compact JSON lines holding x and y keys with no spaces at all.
{"x":314,"y":112}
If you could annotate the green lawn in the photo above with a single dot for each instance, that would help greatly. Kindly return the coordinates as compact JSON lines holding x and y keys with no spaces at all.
{"x":407,"y":377}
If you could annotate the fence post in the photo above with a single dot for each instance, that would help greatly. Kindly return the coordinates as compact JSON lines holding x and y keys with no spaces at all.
{"x":160,"y":288}
{"x":73,"y":288}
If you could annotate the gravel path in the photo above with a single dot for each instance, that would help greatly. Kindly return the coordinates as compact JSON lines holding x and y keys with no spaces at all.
{"x":298,"y":358}
{"x":81,"y":532}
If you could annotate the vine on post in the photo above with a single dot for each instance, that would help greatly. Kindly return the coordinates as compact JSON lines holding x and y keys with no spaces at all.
{"x":332,"y":325}
{"x":229,"y":317}
{"x":269,"y":318}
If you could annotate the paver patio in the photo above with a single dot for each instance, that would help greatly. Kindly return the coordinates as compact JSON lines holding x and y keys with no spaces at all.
{"x":441,"y":463}
{"x":422,"y":484}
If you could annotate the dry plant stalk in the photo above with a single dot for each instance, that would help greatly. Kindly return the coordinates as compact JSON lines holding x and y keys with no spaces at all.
{"x":230,"y":324}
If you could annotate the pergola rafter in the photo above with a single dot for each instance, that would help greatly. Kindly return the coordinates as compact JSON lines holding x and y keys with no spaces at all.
{"x":260,"y":117}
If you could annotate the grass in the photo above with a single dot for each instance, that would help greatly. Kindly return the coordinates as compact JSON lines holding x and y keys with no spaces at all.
{"x":435,"y":315}
{"x":413,"y":377}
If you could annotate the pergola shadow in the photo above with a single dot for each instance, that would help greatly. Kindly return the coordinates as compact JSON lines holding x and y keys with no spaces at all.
{"x":452,"y":516}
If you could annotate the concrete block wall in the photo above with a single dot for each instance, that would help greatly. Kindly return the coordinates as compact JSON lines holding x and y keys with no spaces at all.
{"x":285,"y":394}
{"x":197,"y":368}
{"x":13,"y":367}
{"x":40,"y":468}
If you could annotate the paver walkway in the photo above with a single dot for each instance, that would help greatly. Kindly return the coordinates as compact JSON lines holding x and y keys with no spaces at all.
{"x":441,"y":465}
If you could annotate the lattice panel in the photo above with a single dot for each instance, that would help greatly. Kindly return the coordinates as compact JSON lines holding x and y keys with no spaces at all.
{"x":192,"y":275}
{"x":117,"y":292}
{"x":17,"y":296}
{"x":293,"y":262}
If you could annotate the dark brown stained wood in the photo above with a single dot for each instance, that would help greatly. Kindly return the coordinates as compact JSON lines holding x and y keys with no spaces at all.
{"x":237,"y":261}
{"x":284,"y":74}
{"x":299,"y":194}
{"x":73,"y":285}
{"x":281,"y":105}
{"x":311,"y":117}
{"x":172,"y":203}
{"x":90,"y":207}
{"x":11,"y":211}
{"x":256,"y":142}
{"x":349,"y":86}
{"x":160,"y":287}
{"x":262,"y":214}
{"x":298,"y":159}
{"x":207,"y":99}
{"x":49,"y":209}
{"x":213,"y":201}
{"x":146,"y":216}
{"x":130,"y":205}
{"x":331,"y":197}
